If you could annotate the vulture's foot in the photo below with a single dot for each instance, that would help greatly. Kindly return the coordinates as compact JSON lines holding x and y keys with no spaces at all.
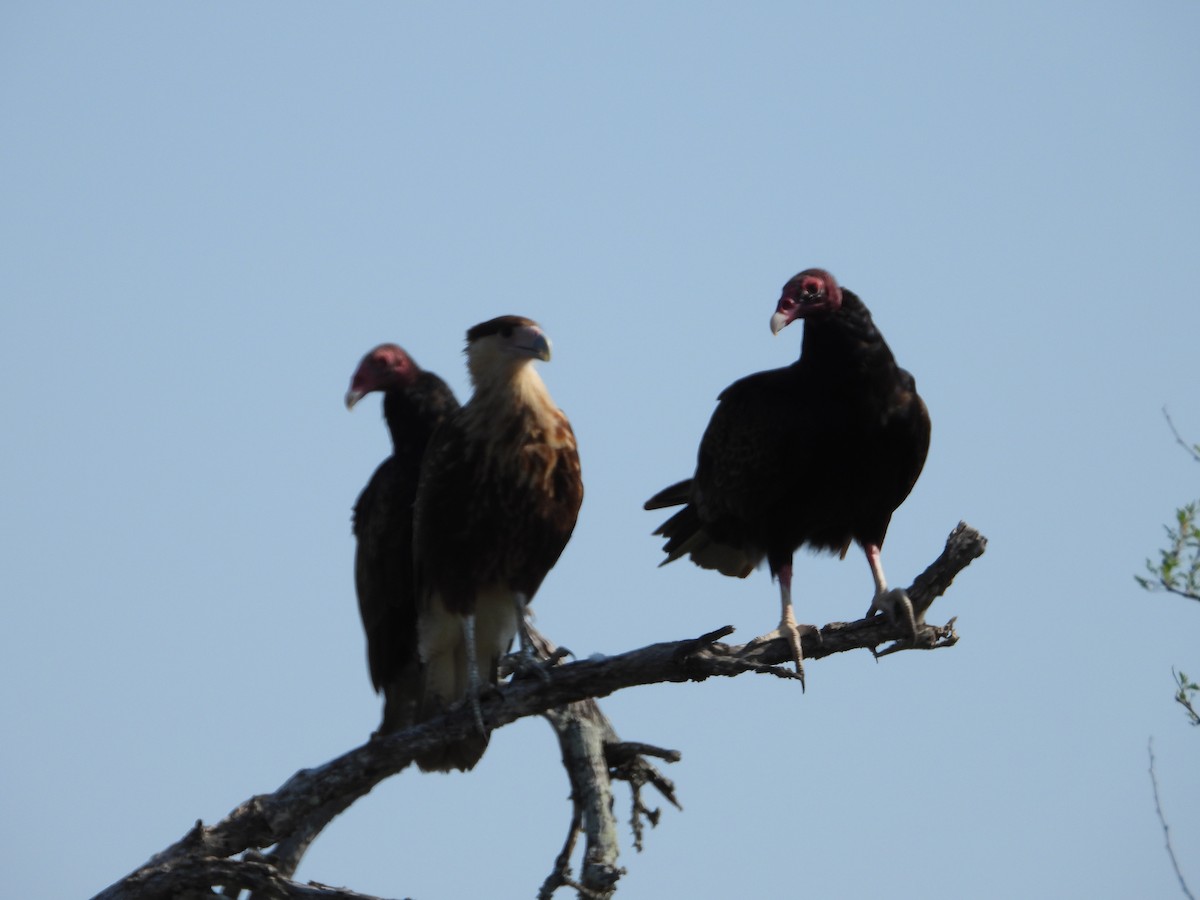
{"x":792,"y":632}
{"x":897,"y":607}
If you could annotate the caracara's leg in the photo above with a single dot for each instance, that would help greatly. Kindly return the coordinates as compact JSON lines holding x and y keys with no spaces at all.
{"x":526,"y":658}
{"x":892,"y":603}
{"x":787,"y":622}
{"x":526,"y":644}
{"x":474,"y":684}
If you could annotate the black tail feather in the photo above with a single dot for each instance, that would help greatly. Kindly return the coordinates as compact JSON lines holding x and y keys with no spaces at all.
{"x":675,"y":495}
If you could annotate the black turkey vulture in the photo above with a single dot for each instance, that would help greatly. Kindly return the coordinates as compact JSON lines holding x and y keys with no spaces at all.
{"x":414,"y":403}
{"x":819,"y":453}
{"x":499,"y":493}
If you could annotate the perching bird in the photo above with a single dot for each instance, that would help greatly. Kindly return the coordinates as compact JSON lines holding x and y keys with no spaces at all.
{"x":819,"y":453}
{"x":414,"y":404}
{"x":499,"y":494}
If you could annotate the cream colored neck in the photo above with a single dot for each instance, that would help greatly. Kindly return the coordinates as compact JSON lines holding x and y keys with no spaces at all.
{"x":520,"y":391}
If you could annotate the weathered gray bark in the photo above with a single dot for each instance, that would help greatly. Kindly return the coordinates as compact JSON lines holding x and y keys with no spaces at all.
{"x":593,"y":756}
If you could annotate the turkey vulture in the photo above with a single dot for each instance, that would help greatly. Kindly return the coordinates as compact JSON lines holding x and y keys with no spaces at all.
{"x":414,"y":403}
{"x":819,"y":453}
{"x":499,"y":493}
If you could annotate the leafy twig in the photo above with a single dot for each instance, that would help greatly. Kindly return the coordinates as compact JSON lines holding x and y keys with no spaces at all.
{"x":1185,"y":687}
{"x":1178,"y":568}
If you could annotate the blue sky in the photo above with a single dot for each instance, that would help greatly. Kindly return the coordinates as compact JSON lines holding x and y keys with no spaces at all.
{"x":211,"y":211}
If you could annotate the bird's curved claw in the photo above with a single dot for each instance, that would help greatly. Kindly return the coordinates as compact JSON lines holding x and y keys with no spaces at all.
{"x":524,"y":662}
{"x":559,"y":654}
{"x":792,"y":632}
{"x":897,"y":607}
{"x":477,"y":713}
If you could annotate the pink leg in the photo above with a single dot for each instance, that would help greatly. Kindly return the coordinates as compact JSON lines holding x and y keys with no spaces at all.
{"x":787,"y":622}
{"x":891,"y":603}
{"x":872,"y":551}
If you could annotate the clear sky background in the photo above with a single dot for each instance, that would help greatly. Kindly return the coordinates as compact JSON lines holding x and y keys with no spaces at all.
{"x":211,"y":211}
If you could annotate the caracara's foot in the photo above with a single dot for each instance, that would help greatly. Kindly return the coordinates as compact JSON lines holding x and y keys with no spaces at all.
{"x":475,"y":687}
{"x":792,"y":632}
{"x":896,"y":606}
{"x":473,"y":699}
{"x":524,"y":662}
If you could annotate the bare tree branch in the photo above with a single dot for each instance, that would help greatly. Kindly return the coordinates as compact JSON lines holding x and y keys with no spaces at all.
{"x":291,"y":816}
{"x":627,"y":762}
{"x":1179,"y":592}
{"x":1192,"y":449}
{"x":581,"y":736}
{"x":589,"y":745}
{"x":191,"y":878}
{"x":1162,"y":819}
{"x":285,"y":857}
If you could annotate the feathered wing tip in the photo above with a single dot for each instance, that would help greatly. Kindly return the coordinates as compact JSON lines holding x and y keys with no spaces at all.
{"x":462,"y":755}
{"x":687,"y":537}
{"x":400,"y":698}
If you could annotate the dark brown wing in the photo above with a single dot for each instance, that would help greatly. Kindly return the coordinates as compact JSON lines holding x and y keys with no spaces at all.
{"x":383,"y":566}
{"x":745,"y":471}
{"x":493,"y":513}
{"x":749,"y":454}
{"x":541,"y":533}
{"x":890,"y":462}
{"x":444,"y":577}
{"x":450,"y":482}
{"x":383,"y":579}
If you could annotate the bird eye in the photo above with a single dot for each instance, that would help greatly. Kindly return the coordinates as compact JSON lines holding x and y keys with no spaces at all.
{"x":506,"y":331}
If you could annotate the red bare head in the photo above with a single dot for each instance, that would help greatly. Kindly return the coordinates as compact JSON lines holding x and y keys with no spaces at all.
{"x":387,"y":366}
{"x":812,"y":293}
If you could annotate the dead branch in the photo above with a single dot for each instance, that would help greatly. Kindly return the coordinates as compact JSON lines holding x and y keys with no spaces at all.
{"x":1193,"y":450}
{"x":593,"y":757}
{"x":192,"y":878}
{"x":1165,"y":827}
{"x":292,"y":815}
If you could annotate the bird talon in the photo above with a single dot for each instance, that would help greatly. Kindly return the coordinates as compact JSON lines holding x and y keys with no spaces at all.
{"x":897,"y":607}
{"x":559,"y":654}
{"x":793,"y":633}
{"x":524,"y":663}
{"x":477,"y":713}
